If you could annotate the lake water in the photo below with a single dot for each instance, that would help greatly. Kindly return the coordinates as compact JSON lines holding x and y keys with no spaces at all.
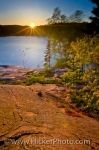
{"x":23,"y":51}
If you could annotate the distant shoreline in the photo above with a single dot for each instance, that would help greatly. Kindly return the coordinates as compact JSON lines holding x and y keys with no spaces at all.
{"x":45,"y":30}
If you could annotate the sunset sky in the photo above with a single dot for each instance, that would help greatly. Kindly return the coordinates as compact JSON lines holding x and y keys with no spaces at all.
{"x":24,"y":12}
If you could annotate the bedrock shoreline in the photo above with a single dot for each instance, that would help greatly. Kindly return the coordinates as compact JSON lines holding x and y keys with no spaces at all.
{"x":13,"y":73}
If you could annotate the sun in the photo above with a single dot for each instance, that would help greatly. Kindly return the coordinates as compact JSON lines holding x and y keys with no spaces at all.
{"x":32,"y":25}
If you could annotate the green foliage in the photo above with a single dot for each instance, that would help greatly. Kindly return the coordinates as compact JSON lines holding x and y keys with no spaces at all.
{"x":34,"y":79}
{"x":47,"y":72}
{"x":44,"y":77}
{"x":80,"y":59}
{"x":61,"y":63}
{"x":87,"y":98}
{"x":83,"y":72}
{"x":41,"y":80}
{"x":69,"y":77}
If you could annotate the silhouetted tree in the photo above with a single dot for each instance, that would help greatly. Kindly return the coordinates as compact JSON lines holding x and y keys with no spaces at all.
{"x":95,"y":11}
{"x":63,"y":19}
{"x":55,"y":16}
{"x":77,"y":16}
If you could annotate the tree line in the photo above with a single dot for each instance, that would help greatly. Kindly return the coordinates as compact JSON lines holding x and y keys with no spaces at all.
{"x":77,"y":16}
{"x":58,"y":17}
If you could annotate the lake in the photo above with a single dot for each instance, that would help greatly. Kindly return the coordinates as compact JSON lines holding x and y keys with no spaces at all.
{"x":23,"y":51}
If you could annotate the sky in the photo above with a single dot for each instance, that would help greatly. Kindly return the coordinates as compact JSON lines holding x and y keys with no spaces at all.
{"x":25,"y":12}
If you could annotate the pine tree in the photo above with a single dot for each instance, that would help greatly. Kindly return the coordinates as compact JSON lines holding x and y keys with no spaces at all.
{"x":95,"y":11}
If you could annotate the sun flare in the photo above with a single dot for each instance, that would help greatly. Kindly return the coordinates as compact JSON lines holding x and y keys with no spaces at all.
{"x":32,"y":25}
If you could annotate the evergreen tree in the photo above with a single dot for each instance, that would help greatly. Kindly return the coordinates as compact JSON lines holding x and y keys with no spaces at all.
{"x":95,"y":11}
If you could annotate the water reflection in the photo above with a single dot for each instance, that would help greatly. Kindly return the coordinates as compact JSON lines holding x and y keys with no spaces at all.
{"x":56,"y":50}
